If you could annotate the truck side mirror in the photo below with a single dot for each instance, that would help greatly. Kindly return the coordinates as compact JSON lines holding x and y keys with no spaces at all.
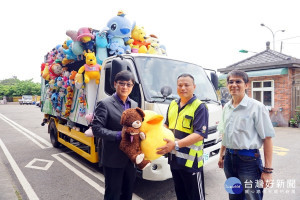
{"x":214,"y":80}
{"x":118,"y":64}
{"x":166,"y":91}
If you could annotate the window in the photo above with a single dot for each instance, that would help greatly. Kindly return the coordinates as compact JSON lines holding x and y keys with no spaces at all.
{"x":263,"y":91}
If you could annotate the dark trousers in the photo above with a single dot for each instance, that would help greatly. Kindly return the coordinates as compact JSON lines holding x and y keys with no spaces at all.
{"x":119,"y":182}
{"x":188,"y":186}
{"x":248,"y":170}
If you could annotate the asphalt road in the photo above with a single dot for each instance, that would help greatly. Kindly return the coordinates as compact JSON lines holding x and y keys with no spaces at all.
{"x":37,"y":170}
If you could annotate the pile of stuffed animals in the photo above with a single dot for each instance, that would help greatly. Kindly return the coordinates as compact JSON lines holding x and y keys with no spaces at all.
{"x":78,"y":60}
{"x":120,"y":36}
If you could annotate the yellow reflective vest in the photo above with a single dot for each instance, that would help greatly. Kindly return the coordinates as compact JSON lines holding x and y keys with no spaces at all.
{"x":181,"y":123}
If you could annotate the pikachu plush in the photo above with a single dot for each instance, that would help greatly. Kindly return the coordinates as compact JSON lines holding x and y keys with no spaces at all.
{"x":155,"y":133}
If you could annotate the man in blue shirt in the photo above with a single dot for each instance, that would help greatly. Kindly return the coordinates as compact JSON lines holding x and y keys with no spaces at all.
{"x":188,"y":119}
{"x":245,"y":127}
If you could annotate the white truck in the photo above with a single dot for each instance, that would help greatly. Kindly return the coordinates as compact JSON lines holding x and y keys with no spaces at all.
{"x":152,"y":73}
{"x":26,"y":99}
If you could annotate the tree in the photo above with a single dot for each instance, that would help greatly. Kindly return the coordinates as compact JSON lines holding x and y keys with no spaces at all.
{"x":15,"y":87}
{"x":222,"y":83}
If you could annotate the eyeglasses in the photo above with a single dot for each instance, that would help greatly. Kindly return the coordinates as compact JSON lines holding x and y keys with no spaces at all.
{"x":236,"y":82}
{"x":127,"y":84}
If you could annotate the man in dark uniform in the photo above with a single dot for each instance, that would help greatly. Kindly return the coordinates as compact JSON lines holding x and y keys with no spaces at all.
{"x":188,"y":119}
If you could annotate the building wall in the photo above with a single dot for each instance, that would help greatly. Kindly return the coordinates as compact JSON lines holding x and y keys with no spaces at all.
{"x":282,"y":96}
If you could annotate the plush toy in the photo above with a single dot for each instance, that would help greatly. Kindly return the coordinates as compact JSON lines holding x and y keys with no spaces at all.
{"x":51,"y":84}
{"x":46,"y":73}
{"x":154,"y":47}
{"x":59,"y":81}
{"x":119,"y":31}
{"x":65,"y":77}
{"x":91,"y":68}
{"x":86,"y":37}
{"x":131,"y":120}
{"x":62,"y":92}
{"x":68,"y":103}
{"x":78,"y":81}
{"x":55,"y":70}
{"x":51,"y":56}
{"x":101,"y":47}
{"x":60,"y":53}
{"x":43,"y":65}
{"x":82,"y":102}
{"x":155,"y":133}
{"x":76,"y":47}
{"x":72,"y":78}
{"x":138,"y":35}
{"x":70,"y":56}
{"x":56,"y":102}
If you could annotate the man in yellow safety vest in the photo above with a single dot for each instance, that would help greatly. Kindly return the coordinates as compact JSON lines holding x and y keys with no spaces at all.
{"x":188,"y":119}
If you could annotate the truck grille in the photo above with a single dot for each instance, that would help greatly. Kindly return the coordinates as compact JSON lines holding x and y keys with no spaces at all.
{"x":209,"y":143}
{"x":212,"y":130}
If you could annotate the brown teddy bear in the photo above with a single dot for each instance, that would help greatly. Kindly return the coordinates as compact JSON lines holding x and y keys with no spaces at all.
{"x":131,"y":120}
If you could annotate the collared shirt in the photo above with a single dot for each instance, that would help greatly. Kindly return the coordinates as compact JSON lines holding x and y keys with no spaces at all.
{"x":125,"y":105}
{"x":245,"y":126}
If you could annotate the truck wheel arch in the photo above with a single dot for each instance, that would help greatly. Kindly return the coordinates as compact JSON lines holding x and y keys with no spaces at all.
{"x":53,"y":134}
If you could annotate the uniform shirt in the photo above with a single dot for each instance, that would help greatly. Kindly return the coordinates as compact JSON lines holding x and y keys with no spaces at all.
{"x":245,"y":126}
{"x":200,"y":125}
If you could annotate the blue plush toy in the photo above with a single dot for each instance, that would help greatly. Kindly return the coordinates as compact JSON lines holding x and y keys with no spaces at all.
{"x":54,"y":100}
{"x":101,"y":47}
{"x":119,"y":31}
{"x":69,"y":53}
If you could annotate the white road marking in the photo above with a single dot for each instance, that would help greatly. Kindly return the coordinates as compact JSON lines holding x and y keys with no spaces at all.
{"x":23,"y":181}
{"x":30,"y":135}
{"x":27,"y":133}
{"x":93,"y":173}
{"x":48,"y":164}
{"x":80,"y":174}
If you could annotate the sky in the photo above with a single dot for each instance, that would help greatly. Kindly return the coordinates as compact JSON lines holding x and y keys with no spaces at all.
{"x":208,"y":33}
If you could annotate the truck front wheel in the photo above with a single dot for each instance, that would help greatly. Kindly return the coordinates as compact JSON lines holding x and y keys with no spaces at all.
{"x":53,"y":134}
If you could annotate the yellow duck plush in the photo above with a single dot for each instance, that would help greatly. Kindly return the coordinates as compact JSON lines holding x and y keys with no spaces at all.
{"x":155,"y":133}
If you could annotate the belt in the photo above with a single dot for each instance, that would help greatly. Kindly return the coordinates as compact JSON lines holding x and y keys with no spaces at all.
{"x":245,"y":152}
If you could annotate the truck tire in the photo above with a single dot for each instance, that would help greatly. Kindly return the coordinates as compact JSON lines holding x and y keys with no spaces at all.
{"x":53,"y":134}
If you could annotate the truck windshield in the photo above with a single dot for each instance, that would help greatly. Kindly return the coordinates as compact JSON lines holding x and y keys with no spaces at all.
{"x":158,"y":72}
